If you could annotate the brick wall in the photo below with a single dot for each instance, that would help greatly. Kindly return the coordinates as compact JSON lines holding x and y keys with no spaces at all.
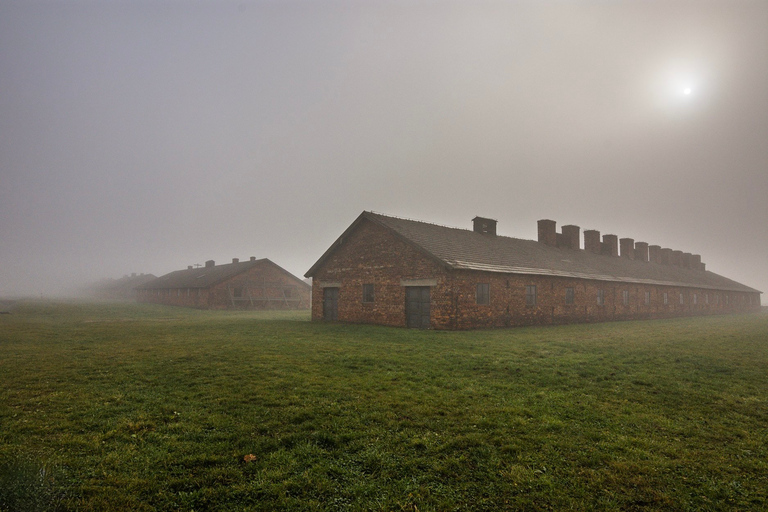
{"x":373,"y":255}
{"x":508,"y":305}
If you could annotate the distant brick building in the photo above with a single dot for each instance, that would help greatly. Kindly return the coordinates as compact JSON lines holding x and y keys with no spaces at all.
{"x":390,"y":271}
{"x":252,"y":284}
{"x":119,"y":289}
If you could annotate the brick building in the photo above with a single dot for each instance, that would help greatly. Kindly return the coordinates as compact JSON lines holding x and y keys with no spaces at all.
{"x":390,"y":271}
{"x":119,"y":289}
{"x":252,"y":284}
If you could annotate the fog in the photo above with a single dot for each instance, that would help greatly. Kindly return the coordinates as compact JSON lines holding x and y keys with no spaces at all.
{"x":145,"y":136}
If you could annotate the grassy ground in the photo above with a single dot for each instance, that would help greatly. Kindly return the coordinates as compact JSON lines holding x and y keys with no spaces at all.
{"x":143,"y":407}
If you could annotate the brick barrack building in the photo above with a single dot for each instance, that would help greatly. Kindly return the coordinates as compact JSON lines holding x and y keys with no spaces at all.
{"x":391,"y":271}
{"x":252,"y":284}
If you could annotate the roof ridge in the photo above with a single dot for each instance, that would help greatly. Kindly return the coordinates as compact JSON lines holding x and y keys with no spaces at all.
{"x":416,"y":220}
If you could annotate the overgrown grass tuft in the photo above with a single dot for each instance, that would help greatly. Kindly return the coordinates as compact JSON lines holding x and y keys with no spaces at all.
{"x":29,"y":486}
{"x":156,"y":408}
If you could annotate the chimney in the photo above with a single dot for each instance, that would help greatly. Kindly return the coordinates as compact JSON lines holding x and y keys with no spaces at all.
{"x":253,"y":258}
{"x":592,"y":241}
{"x":696,"y":262}
{"x":654,"y":253}
{"x":677,"y":258}
{"x":133,"y":274}
{"x":666,"y":256}
{"x":703,"y":267}
{"x":235,"y":260}
{"x":484,"y":226}
{"x":610,"y":245}
{"x":571,"y":237}
{"x":641,"y":251}
{"x":209,"y":263}
{"x":687,"y":258}
{"x":189,"y":267}
{"x":627,"y":248}
{"x":548,"y":232}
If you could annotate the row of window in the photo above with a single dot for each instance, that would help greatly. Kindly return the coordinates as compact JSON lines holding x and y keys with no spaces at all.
{"x":483,"y":296}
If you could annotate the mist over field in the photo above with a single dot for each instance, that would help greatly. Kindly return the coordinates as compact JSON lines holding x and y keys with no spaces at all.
{"x":148,"y":136}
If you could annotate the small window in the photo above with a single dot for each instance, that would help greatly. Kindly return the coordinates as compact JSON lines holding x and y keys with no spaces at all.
{"x":625,"y":297}
{"x":483,"y":293}
{"x":666,"y":298}
{"x":647,"y":298}
{"x":367,"y":293}
{"x":287,"y":292}
{"x":569,"y":296}
{"x":682,"y":299}
{"x":706,"y":298}
{"x":530,"y":295}
{"x":600,"y":297}
{"x":695,"y":299}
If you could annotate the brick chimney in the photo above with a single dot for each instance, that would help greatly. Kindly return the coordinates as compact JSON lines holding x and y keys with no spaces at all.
{"x":592,"y":241}
{"x":696,"y":263}
{"x":611,"y":245}
{"x":666,"y":256}
{"x":627,"y":248}
{"x":189,"y":267}
{"x":687,"y":259}
{"x":210,"y":263}
{"x":235,"y":260}
{"x":571,"y":235}
{"x":253,"y":258}
{"x":484,"y":226}
{"x":548,"y":232}
{"x":677,"y":258}
{"x":641,"y":251}
{"x":654,"y":253}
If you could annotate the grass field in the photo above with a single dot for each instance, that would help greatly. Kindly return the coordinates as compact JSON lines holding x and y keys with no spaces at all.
{"x":143,"y":407}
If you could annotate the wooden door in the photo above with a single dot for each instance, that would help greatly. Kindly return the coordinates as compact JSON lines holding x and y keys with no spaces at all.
{"x":417,"y":306}
{"x":330,"y":304}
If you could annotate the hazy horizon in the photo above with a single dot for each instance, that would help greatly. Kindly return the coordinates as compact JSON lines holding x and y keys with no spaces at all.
{"x":143,"y":137}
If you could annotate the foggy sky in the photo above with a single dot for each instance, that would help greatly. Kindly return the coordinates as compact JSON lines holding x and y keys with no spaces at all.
{"x":145,"y":136}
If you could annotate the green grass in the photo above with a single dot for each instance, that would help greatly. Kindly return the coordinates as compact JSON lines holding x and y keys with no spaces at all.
{"x":143,"y":407}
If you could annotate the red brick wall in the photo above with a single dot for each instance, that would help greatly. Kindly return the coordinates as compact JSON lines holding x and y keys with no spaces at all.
{"x":508,"y":301}
{"x":372,"y":254}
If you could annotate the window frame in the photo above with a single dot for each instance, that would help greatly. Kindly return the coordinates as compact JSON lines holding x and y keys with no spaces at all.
{"x":600,"y":297}
{"x":531,"y":295}
{"x":369,"y":293}
{"x":483,"y":294}
{"x":570,"y":295}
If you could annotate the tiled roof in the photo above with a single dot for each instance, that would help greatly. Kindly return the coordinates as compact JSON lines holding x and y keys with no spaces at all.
{"x":205,"y":277}
{"x":466,"y":249}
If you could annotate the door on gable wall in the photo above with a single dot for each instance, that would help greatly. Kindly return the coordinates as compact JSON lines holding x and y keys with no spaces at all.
{"x":417,"y":305}
{"x":330,"y":304}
